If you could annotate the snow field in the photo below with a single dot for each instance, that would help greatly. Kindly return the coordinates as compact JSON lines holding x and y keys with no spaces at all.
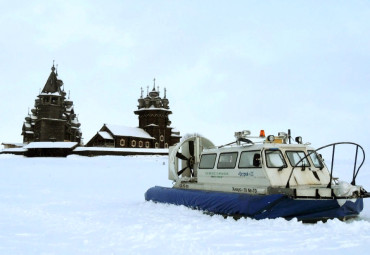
{"x":81,"y":205}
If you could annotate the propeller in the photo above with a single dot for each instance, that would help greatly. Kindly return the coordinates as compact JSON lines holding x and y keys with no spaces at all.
{"x":189,"y":161}
{"x":186,"y":154}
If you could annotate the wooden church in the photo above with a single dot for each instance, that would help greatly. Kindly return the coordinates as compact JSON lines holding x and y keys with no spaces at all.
{"x":53,"y":118}
{"x":154,"y":129}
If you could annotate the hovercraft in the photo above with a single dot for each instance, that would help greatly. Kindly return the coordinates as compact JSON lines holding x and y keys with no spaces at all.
{"x":260,"y":177}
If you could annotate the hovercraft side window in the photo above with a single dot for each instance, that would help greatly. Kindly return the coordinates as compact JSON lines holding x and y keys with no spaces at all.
{"x":250,"y":159}
{"x":227,"y":160}
{"x":207,"y":161}
{"x":316,"y":159}
{"x":274,"y":159}
{"x":297,"y":156}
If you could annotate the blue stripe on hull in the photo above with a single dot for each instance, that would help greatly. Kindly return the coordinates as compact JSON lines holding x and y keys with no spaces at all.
{"x":256,"y":206}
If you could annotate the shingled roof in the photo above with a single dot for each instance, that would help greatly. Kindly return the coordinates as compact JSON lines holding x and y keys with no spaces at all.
{"x":53,"y":84}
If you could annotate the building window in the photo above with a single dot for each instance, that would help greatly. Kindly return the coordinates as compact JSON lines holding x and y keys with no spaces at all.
{"x":157,"y":145}
{"x":147,"y":144}
{"x":133,"y":143}
{"x":166,"y":145}
{"x":140,"y":144}
{"x":161,"y":138}
{"x":122,"y":142}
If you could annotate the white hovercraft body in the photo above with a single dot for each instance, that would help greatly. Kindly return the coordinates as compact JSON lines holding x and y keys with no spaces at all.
{"x":267,"y":171}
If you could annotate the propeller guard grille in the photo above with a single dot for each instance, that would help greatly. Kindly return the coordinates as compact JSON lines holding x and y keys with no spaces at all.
{"x":185,"y":156}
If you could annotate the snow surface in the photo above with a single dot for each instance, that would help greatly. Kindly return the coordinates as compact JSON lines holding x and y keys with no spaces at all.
{"x":82,"y":205}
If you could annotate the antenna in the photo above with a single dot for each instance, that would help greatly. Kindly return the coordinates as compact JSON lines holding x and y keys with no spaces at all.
{"x":141,"y":89}
{"x":154,"y":84}
{"x":69,"y":94}
{"x":165,"y":90}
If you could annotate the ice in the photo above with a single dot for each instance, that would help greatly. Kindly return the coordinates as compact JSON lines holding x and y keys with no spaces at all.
{"x":95,"y":205}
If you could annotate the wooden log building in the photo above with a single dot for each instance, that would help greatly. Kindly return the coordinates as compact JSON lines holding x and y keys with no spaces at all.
{"x":154,"y":129}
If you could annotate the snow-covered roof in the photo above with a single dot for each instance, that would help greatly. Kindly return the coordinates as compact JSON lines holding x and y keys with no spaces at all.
{"x":14,"y":144}
{"x":152,"y":125}
{"x":128,"y":131}
{"x":45,"y":145}
{"x":153,"y":109}
{"x":52,"y":119}
{"x":29,"y":132}
{"x":12,"y":150}
{"x":174,"y":135}
{"x":50,"y":94}
{"x":137,"y":150}
{"x":105,"y":135}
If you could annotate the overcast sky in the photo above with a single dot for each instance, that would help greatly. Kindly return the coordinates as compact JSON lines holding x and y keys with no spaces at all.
{"x":227,"y":65}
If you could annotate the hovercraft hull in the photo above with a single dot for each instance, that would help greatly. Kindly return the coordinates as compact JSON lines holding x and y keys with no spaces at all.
{"x":257,"y":206}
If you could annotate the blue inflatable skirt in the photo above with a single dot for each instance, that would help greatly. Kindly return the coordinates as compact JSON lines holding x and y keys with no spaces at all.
{"x":257,"y":206}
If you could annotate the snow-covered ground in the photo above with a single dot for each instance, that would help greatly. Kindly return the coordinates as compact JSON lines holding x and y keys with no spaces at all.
{"x":81,"y":205}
